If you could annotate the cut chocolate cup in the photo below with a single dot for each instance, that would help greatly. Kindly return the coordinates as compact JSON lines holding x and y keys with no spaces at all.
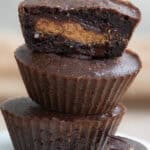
{"x":32,"y":128}
{"x":97,"y":28}
{"x":74,"y":85}
{"x":121,"y":143}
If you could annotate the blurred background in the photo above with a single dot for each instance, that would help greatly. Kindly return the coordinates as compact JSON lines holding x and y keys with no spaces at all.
{"x":137,"y":120}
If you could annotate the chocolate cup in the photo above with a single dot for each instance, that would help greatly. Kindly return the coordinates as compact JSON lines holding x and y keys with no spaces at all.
{"x":78,"y":26}
{"x":75,"y":85}
{"x":31,"y":127}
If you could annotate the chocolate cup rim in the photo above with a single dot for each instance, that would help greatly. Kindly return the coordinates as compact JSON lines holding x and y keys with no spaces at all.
{"x":125,"y":3}
{"x":85,"y":77}
{"x":59,"y":115}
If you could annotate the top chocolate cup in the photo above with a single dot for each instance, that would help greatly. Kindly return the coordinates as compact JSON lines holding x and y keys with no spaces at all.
{"x":97,"y":28}
{"x":76,"y":85}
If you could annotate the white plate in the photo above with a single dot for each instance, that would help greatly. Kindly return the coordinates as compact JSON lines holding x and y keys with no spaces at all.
{"x":5,"y":142}
{"x":146,"y":144}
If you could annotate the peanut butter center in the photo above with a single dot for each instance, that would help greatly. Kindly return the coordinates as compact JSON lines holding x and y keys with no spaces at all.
{"x":71,"y":30}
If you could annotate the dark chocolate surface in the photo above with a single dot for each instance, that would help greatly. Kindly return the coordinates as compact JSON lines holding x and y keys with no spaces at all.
{"x":25,"y":107}
{"x":71,"y":66}
{"x":123,"y":7}
{"x":33,"y":128}
{"x":114,"y":20}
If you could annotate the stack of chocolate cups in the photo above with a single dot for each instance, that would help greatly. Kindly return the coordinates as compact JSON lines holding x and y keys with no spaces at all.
{"x":75,"y":69}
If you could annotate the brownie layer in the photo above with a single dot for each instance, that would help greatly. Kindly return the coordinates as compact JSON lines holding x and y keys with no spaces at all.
{"x":99,"y":28}
{"x":76,"y":85}
{"x":31,"y":127}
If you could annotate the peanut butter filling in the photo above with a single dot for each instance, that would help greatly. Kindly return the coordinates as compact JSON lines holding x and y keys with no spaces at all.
{"x":71,"y":30}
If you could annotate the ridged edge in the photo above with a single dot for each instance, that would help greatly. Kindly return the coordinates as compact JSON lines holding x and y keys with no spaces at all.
{"x":51,"y":133}
{"x":74,"y":95}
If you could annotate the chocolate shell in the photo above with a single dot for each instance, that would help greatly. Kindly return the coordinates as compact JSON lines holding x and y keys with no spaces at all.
{"x":96,"y":28}
{"x":76,"y":84}
{"x":32,"y":128}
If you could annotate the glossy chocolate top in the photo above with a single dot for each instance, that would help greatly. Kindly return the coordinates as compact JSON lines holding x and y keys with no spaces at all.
{"x":25,"y":107}
{"x":123,"y":7}
{"x":82,"y":67}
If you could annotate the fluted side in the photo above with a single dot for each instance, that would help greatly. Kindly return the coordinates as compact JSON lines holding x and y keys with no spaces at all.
{"x":45,"y":133}
{"x":74,"y":95}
